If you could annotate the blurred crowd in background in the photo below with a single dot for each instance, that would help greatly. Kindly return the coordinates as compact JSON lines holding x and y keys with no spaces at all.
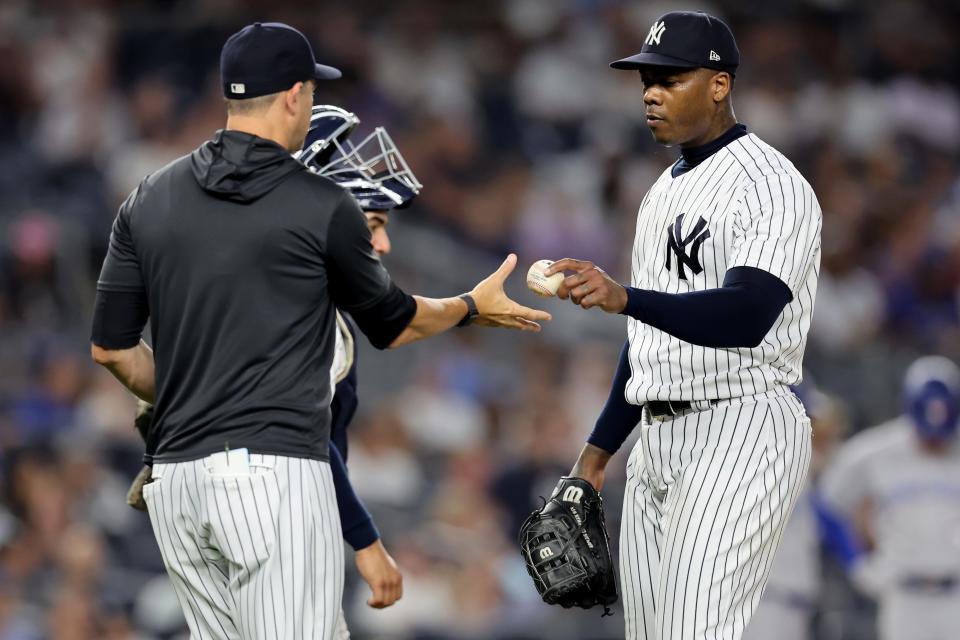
{"x":525,"y":141}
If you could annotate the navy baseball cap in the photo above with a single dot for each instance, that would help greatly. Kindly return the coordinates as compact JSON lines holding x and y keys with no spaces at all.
{"x":686,"y":39}
{"x":268,"y":57}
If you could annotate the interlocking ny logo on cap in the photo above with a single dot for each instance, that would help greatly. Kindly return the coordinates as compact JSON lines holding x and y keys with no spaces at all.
{"x":656,"y":32}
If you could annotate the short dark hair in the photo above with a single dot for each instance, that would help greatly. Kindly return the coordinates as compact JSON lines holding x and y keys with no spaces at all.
{"x":250,"y":106}
{"x":259,"y":104}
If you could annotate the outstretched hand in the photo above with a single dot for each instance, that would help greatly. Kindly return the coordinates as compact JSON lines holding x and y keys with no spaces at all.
{"x":589,"y":286}
{"x":496,"y":309}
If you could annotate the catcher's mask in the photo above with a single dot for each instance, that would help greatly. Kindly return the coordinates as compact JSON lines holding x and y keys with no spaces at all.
{"x":932,"y":397}
{"x":374,"y":170}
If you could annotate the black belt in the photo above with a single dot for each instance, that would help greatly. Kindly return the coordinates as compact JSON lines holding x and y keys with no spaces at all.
{"x":929,"y":584}
{"x":670,"y":408}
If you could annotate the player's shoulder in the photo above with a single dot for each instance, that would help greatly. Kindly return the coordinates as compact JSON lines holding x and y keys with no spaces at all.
{"x":759,"y":162}
{"x":320,"y":186}
{"x":890,"y":436}
{"x":665,"y":176}
{"x":863,"y":455}
{"x":319,"y":198}
{"x":170,"y":172}
{"x":155,"y":186}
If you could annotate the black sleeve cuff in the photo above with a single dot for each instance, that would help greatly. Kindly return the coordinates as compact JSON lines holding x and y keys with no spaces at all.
{"x":634,"y":306}
{"x":361,"y":535}
{"x":118,"y":319}
{"x":383,"y":321}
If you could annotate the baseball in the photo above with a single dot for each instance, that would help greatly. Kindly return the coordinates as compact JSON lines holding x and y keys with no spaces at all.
{"x":540,"y":283}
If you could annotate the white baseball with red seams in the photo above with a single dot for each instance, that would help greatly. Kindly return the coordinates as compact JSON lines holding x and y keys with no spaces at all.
{"x":540,"y":283}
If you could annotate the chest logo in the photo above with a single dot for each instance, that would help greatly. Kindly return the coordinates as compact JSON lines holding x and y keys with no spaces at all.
{"x":686,"y":249}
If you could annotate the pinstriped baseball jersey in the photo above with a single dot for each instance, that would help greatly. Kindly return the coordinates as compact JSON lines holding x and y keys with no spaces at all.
{"x":745,"y":206}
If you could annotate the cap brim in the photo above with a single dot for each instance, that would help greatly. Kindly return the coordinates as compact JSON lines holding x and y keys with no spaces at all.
{"x":323,"y":72}
{"x":650,"y":59}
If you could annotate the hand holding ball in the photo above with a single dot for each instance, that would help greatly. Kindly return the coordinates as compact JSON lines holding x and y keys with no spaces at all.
{"x":540,"y":283}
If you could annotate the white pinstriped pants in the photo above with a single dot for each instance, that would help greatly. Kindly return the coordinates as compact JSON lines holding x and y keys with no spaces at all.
{"x":708,"y":495}
{"x":252,"y":555}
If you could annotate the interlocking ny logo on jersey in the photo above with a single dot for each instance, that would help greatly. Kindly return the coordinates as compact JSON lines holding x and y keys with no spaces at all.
{"x":656,"y":32}
{"x":677,"y":245}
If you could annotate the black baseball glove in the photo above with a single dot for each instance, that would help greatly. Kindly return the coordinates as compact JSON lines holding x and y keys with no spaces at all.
{"x":566,"y":548}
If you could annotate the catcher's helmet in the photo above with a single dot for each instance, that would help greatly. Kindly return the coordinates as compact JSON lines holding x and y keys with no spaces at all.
{"x":374,"y":171}
{"x":329,"y":128}
{"x":932,"y":397}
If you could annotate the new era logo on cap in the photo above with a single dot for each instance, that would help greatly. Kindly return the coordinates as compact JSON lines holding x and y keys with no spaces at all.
{"x":714,"y":56}
{"x":238,"y":87}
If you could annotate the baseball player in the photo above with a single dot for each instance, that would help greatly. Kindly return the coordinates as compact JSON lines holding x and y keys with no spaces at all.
{"x":394,"y":187}
{"x":238,"y":256}
{"x":899,"y":483}
{"x":792,"y":595}
{"x":377,"y":176}
{"x":725,"y":266}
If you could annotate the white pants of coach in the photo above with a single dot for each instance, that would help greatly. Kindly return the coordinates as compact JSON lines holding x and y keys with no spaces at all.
{"x":708,"y":494}
{"x":254,"y":550}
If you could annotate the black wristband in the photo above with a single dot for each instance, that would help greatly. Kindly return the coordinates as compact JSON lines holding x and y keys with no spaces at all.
{"x":472,"y":311}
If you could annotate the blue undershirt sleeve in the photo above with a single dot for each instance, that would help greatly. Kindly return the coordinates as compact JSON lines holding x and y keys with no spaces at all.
{"x":358,"y":528}
{"x":737,"y":315}
{"x":618,"y":417}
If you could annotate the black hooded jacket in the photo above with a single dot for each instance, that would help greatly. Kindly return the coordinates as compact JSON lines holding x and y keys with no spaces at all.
{"x":239,"y":255}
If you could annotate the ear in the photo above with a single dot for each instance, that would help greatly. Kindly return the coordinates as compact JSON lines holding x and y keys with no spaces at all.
{"x":722,"y":84}
{"x":292,"y":97}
